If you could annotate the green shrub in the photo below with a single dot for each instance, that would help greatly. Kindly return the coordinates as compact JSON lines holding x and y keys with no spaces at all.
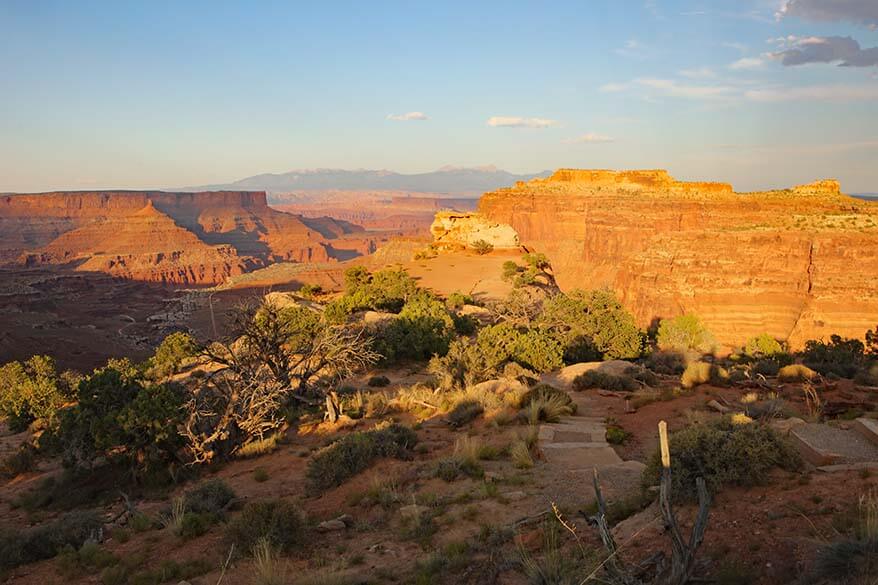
{"x":723,"y":453}
{"x":596,"y":379}
{"x":592,"y":325}
{"x":685,"y":333}
{"x":378,"y":382}
{"x":795,"y":373}
{"x":617,"y":435}
{"x":537,"y":271}
{"x":171,"y":353}
{"x":309,"y":291}
{"x":423,"y":328}
{"x":698,"y":373}
{"x":20,"y":461}
{"x":209,"y":497}
{"x":33,"y":390}
{"x":464,"y":412}
{"x":457,"y":300}
{"x":90,"y":558}
{"x":47,"y":540}
{"x":277,"y":521}
{"x":481,"y":247}
{"x":762,"y":346}
{"x":344,"y":458}
{"x":767,"y":367}
{"x":840,"y":356}
{"x":462,"y":366}
{"x":868,"y":376}
{"x":532,"y":348}
{"x":119,"y":417}
{"x":667,"y":362}
{"x":451,"y":468}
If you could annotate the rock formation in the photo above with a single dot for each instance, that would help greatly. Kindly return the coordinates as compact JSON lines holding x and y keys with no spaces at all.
{"x":797,"y":263}
{"x":173,"y":238}
{"x":465,"y":229}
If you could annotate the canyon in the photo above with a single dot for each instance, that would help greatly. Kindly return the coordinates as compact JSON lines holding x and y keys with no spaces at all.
{"x":797,"y":263}
{"x":170,"y":238}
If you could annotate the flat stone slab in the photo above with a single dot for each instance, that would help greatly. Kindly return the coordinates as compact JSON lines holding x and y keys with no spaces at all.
{"x":573,"y":430}
{"x":868,"y":428}
{"x":823,"y":445}
{"x":580,"y":455}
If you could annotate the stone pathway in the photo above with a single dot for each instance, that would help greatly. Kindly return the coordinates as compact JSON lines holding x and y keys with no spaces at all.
{"x":574,"y":447}
{"x":825,"y":445}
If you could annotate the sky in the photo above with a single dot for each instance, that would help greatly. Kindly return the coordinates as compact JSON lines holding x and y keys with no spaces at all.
{"x":163,"y":93}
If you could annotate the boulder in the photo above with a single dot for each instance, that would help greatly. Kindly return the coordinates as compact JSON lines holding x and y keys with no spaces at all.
{"x":563,"y":378}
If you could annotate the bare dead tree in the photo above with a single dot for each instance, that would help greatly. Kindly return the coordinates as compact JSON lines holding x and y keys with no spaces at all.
{"x":683,"y":565}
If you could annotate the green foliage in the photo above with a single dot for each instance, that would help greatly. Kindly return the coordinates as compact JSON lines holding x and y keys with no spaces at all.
{"x":667,"y":362}
{"x":685,"y":333}
{"x":763,"y":346}
{"x":723,"y":453}
{"x":118,"y":416}
{"x":451,"y":468}
{"x":19,"y":461}
{"x":605,"y":381}
{"x":457,"y":300}
{"x":277,"y":521}
{"x":872,"y":342}
{"x":33,"y":390}
{"x":423,"y":328}
{"x":537,"y":271}
{"x":840,"y":356}
{"x":335,"y":463}
{"x":209,"y":497}
{"x":592,"y":325}
{"x":309,"y":291}
{"x":617,"y":435}
{"x":481,"y":247}
{"x":47,"y":540}
{"x":698,"y":373}
{"x":462,"y":366}
{"x":171,"y":353}
{"x":532,"y":348}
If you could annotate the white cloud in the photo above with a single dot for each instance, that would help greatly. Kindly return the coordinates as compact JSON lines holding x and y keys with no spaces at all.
{"x":613,"y":87}
{"x":633,"y":48}
{"x":864,"y":12}
{"x":698,"y":73}
{"x":737,"y":46}
{"x":590,"y":138}
{"x":842,"y":50}
{"x":408,"y":116}
{"x":821,"y":93}
{"x":672,"y":88}
{"x":747,"y":63}
{"x":518,"y":122}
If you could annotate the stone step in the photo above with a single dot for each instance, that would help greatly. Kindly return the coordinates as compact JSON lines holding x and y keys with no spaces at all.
{"x":823,"y":445}
{"x":868,"y":428}
{"x":573,"y":430}
{"x":579,"y":456}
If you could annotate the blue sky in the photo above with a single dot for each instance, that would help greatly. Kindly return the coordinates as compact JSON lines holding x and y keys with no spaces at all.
{"x":169,"y":93}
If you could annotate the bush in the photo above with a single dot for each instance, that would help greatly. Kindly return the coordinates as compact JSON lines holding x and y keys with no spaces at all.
{"x":464,"y":412}
{"x":868,"y":376}
{"x":309,"y":291}
{"x":343,"y":459}
{"x":667,"y":362}
{"x":762,"y":346}
{"x":481,"y":247}
{"x":33,"y":390}
{"x":840,"y":356}
{"x":20,"y":461}
{"x":537,"y":271}
{"x":685,"y":333}
{"x":543,"y":391}
{"x":378,"y":382}
{"x":592,"y":325}
{"x":46,"y":541}
{"x":596,"y":379}
{"x":795,"y":373}
{"x":171,"y":353}
{"x":616,"y":435}
{"x":723,"y":453}
{"x":462,"y":366}
{"x":277,"y":521}
{"x":423,"y":328}
{"x":698,"y":373}
{"x":209,"y":497}
{"x":532,"y":348}
{"x":119,"y":417}
{"x":457,"y":300}
{"x":767,"y":367}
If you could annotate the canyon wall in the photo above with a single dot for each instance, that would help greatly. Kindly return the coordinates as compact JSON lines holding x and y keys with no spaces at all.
{"x":797,"y":263}
{"x":173,"y":238}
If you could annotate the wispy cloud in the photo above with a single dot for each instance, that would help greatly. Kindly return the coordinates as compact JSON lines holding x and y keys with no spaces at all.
{"x":699,"y":73}
{"x":408,"y":117}
{"x":518,"y":122}
{"x":633,"y":48}
{"x":669,"y":87}
{"x":590,"y":138}
{"x":737,"y":46}
{"x":863,"y":12}
{"x":820,"y":93}
{"x":842,"y":50}
{"x":747,"y":63}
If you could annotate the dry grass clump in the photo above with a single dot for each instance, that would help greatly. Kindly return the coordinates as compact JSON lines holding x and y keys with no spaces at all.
{"x":275,"y":522}
{"x":698,"y":373}
{"x":795,"y":373}
{"x":852,"y":559}
{"x":549,"y":408}
{"x":520,"y":454}
{"x":268,"y":567}
{"x":260,"y":446}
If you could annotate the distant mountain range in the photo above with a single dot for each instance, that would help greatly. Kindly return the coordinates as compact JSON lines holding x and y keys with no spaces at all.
{"x":453,"y":181}
{"x":869,"y":196}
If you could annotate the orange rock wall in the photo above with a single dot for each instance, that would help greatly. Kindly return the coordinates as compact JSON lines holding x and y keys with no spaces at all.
{"x":799,"y":263}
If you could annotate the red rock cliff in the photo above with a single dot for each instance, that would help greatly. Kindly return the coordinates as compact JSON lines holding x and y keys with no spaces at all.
{"x":185,"y":238}
{"x":797,"y":263}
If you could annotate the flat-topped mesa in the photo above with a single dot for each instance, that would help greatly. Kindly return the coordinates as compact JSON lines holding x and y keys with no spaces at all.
{"x":797,"y":263}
